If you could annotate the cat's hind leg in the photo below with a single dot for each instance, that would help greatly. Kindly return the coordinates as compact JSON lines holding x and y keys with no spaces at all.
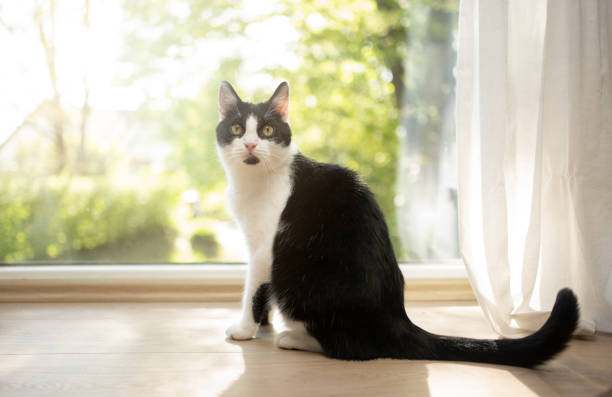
{"x":262,"y":304}
{"x":297,"y":338}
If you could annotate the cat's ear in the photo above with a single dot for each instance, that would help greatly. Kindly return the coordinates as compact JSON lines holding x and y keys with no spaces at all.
{"x":228,"y":99}
{"x":279,"y":102}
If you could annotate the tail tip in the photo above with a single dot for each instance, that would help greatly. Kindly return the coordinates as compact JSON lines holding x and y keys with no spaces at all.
{"x":567,"y":304}
{"x":558,"y":330}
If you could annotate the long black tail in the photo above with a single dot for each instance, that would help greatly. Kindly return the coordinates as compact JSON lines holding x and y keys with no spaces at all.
{"x":529,"y":351}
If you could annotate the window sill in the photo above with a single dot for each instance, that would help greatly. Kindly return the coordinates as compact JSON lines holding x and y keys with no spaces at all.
{"x":198,"y":282}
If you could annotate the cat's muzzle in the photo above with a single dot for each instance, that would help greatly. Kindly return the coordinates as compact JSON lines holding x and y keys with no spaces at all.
{"x":251,"y":160}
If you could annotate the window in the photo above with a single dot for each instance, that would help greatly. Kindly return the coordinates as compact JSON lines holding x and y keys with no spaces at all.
{"x":107,"y":149}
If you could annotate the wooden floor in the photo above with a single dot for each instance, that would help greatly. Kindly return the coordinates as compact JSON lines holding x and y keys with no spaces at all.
{"x":179,"y":349}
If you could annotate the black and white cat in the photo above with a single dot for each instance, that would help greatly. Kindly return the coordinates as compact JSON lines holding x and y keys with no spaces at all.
{"x":319,"y":248}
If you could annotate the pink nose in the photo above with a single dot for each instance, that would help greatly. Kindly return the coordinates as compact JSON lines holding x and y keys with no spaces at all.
{"x":250,"y":146}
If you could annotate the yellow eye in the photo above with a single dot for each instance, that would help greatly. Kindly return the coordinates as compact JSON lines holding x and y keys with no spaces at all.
{"x":267,"y":130}
{"x":236,"y":129}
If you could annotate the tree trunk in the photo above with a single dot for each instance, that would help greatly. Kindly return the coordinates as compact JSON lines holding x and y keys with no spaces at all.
{"x":85,"y":109}
{"x":47,"y":39}
{"x":395,"y":39}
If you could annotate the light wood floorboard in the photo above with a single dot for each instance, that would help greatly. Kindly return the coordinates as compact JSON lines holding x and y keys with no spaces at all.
{"x":179,"y":349}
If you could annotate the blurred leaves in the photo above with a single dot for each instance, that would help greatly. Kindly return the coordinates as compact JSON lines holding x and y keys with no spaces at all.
{"x":344,"y":100}
{"x":358,"y":74}
{"x":55,"y":218}
{"x":344,"y":108}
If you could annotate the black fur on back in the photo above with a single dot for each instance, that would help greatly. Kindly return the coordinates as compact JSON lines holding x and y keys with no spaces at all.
{"x":334,"y":269}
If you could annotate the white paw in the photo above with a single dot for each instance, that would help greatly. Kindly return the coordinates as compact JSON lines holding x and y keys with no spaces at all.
{"x":297,"y":340}
{"x":241,"y":331}
{"x":284,"y":340}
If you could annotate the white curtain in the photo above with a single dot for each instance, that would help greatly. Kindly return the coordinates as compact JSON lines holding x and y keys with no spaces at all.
{"x":534,"y":130}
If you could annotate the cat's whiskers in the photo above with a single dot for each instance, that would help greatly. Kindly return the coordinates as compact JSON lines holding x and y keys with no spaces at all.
{"x":277,"y":158}
{"x":267,"y":168}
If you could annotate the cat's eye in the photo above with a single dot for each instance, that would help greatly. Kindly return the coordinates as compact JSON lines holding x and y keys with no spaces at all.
{"x":236,"y":129}
{"x":267,"y":130}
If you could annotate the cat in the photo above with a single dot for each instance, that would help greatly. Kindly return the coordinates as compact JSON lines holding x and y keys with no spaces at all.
{"x":319,"y":249}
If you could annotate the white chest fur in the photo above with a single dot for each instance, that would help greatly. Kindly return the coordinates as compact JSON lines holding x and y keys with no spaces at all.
{"x":257,"y":201}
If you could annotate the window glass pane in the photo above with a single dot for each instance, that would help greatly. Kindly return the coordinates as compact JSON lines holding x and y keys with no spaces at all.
{"x":107,"y":145}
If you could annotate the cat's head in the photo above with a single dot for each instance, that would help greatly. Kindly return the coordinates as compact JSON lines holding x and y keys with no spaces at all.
{"x":253,"y":135}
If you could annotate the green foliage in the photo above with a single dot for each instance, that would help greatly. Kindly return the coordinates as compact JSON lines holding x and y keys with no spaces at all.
{"x":343,"y":106}
{"x":58,"y":217}
{"x":205,"y":242}
{"x":189,"y":124}
{"x":346,"y":92}
{"x":364,"y":68}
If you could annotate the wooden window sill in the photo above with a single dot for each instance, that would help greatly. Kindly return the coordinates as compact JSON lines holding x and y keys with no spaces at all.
{"x":211,"y":283}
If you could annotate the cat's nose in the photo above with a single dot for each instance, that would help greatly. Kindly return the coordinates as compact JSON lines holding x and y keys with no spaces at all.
{"x":250,"y":146}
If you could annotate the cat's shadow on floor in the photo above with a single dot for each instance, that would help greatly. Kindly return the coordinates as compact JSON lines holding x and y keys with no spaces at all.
{"x":270,"y":371}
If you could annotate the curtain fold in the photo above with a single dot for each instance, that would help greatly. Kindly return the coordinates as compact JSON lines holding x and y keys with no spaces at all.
{"x":534,"y":131}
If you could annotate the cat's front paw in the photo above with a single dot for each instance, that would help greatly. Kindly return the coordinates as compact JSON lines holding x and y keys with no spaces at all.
{"x":241,"y":331}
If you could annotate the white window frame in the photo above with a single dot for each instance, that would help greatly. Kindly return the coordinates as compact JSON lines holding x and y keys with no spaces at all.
{"x":190,"y":282}
{"x":208,"y":272}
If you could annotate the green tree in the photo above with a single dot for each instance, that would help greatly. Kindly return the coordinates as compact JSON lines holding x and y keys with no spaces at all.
{"x":346,"y":110}
{"x":347,"y":93}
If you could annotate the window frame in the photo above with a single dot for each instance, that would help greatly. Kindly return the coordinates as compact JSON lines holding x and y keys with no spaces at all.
{"x":211,"y":272}
{"x":210,"y":282}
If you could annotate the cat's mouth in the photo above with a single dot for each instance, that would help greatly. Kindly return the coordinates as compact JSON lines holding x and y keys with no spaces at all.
{"x":251,"y":160}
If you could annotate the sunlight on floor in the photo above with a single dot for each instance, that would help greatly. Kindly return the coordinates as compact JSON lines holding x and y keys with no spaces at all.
{"x":180,"y":349}
{"x":222,"y":377}
{"x":452,"y":379}
{"x":15,"y":364}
